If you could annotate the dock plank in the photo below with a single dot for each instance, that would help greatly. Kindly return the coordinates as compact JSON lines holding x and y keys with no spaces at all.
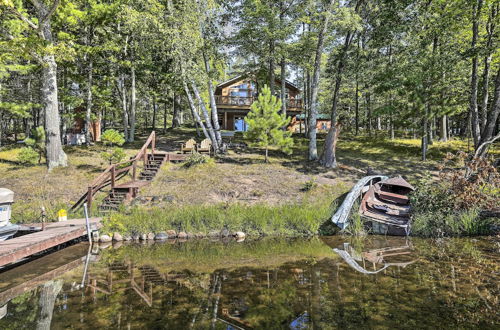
{"x":53,"y":235}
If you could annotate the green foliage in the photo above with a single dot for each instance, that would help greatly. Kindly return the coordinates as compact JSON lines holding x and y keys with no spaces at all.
{"x":196,"y":159}
{"x":27,"y":156}
{"x":112,"y":137}
{"x":266,"y":124}
{"x":261,"y":219}
{"x":115,"y":155}
{"x":434,"y":213}
{"x":309,"y":185}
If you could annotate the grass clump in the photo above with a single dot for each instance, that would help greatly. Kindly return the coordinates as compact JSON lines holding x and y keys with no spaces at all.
{"x":258,"y":219}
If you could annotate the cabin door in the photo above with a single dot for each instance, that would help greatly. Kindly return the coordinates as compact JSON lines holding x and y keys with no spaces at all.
{"x":240,"y":125}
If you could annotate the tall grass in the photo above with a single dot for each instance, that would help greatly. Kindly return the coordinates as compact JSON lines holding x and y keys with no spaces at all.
{"x":260,"y":219}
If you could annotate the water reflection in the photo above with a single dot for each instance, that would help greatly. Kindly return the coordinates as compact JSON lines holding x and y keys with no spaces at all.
{"x":293,"y":284}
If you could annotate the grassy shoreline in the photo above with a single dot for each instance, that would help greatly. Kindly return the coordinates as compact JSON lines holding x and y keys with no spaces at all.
{"x":238,"y":191}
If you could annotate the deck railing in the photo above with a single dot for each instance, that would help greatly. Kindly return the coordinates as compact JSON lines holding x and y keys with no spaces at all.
{"x":114,"y":172}
{"x":240,"y":101}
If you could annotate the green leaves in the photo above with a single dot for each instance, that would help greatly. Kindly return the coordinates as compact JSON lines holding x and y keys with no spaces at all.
{"x":266,"y":124}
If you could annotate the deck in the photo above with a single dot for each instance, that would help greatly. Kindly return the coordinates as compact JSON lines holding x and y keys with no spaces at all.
{"x":54,"y":234}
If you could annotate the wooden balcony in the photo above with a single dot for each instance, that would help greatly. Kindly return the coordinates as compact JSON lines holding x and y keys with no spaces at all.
{"x":239,"y":102}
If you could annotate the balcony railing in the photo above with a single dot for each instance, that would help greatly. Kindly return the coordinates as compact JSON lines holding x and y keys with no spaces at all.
{"x":246,"y":102}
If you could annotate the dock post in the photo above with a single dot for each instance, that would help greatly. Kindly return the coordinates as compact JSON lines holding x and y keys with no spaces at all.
{"x":87,"y":222}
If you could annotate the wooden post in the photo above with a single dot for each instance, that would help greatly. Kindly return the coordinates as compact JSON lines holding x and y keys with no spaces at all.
{"x":113,"y":176}
{"x":89,"y":196}
{"x":134,"y":169}
{"x":153,"y":142}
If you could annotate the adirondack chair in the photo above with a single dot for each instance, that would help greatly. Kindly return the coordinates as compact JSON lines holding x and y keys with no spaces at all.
{"x":205,"y":147}
{"x":188,"y":147}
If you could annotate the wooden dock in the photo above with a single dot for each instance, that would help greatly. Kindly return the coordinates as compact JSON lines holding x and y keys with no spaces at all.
{"x":28,"y":276}
{"x":54,"y":234}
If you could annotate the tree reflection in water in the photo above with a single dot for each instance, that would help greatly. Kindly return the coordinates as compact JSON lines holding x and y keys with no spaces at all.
{"x":272,"y":283}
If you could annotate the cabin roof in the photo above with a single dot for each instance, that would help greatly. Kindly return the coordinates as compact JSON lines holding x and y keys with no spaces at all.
{"x":242,"y":76}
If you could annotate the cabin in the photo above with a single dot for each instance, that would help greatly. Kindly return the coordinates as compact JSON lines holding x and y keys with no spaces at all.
{"x":323,"y":123}
{"x":235,"y":96}
{"x":75,"y":135}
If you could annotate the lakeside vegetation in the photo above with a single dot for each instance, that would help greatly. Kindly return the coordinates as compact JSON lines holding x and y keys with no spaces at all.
{"x":237,"y":191}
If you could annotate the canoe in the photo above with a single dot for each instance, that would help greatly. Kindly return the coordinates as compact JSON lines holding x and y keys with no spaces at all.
{"x":385,"y":207}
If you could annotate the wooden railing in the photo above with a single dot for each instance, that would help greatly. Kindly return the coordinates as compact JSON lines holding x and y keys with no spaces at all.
{"x":246,"y":102}
{"x":116,"y":171}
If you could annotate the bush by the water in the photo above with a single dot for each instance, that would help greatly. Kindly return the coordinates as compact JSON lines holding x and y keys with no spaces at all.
{"x":451,"y":205}
{"x":292,"y":220}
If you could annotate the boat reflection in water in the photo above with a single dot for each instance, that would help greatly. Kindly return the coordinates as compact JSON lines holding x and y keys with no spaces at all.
{"x":396,"y":253}
{"x":326,"y":283}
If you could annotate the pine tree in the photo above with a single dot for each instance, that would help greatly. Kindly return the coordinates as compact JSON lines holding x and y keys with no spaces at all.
{"x":266,"y":124}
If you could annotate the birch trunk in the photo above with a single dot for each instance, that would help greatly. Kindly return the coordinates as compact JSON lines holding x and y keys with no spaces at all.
{"x":313,"y":112}
{"x":204,"y":110}
{"x":213,"y":105}
{"x":133,"y":105}
{"x":124,"y":107}
{"x":88,"y":120}
{"x":444,"y":129}
{"x":473,"y":107}
{"x":493,"y":115}
{"x":194,"y":113}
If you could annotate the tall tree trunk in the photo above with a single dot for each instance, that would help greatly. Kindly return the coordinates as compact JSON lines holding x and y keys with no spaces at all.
{"x":124,"y":107}
{"x":271,"y":67}
{"x":314,"y":105}
{"x":176,"y":122}
{"x":213,"y":105}
{"x":283,"y":85}
{"x":153,"y":125}
{"x":206,"y":115}
{"x":328,"y":158}
{"x":473,"y":107}
{"x":493,"y":115}
{"x":356,"y":121}
{"x":48,"y":296}
{"x":444,"y":129}
{"x":88,"y":113}
{"x":490,"y":28}
{"x":54,"y":152}
{"x":194,"y":112}
{"x":133,"y":105}
{"x":165,"y":109}
{"x":368,"y":110}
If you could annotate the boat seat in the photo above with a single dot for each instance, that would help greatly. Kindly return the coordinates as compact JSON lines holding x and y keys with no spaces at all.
{"x":392,"y":197}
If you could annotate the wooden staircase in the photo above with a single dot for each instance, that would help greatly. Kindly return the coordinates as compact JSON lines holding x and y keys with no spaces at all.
{"x":119,"y":195}
{"x":148,"y":161}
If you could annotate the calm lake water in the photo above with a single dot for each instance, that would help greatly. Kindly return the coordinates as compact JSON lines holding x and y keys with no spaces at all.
{"x":319,"y":283}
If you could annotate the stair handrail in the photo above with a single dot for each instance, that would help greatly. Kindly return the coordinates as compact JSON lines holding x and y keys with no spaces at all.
{"x":112,"y":173}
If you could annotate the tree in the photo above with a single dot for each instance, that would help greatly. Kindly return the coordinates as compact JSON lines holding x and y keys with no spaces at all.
{"x":37,"y":39}
{"x":113,"y":138}
{"x":266,"y":124}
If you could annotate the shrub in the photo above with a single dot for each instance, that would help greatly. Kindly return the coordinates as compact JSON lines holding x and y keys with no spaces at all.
{"x":112,"y":137}
{"x":309,"y":185}
{"x":196,"y":159}
{"x":114,"y":155}
{"x":450,"y":206}
{"x":27,"y":156}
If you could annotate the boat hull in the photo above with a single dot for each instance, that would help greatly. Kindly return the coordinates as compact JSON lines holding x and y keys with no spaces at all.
{"x":8,"y":231}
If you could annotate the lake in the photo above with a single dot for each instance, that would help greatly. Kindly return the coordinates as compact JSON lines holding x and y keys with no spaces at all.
{"x":317,"y":283}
